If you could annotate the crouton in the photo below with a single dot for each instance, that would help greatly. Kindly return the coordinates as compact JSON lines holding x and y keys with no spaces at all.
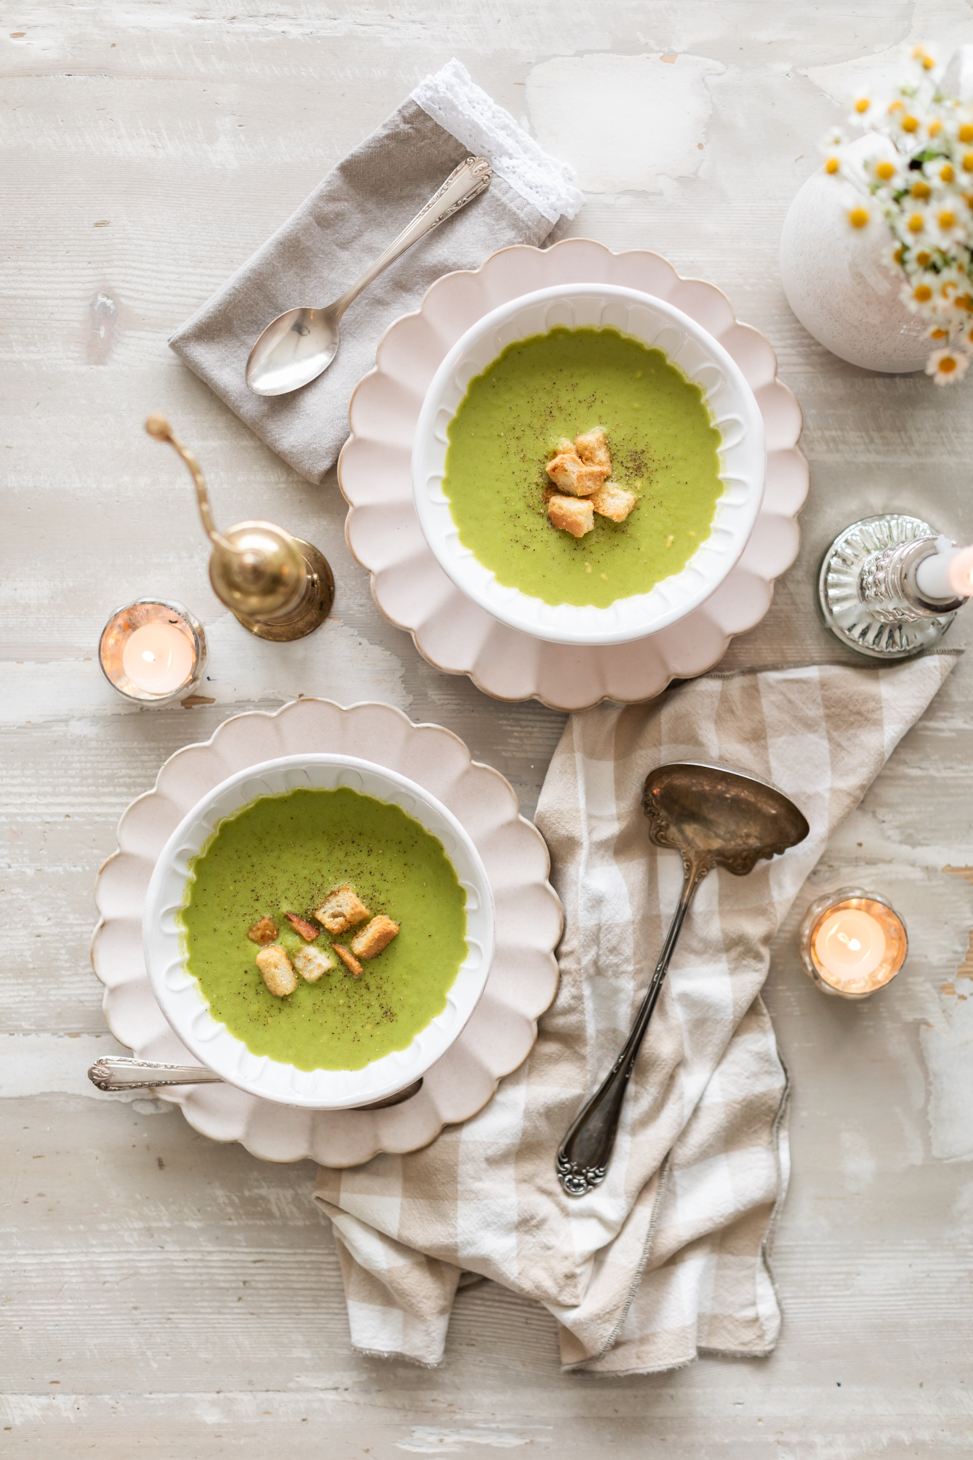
{"x":263,"y":932}
{"x":275,"y":966}
{"x":375,"y":936}
{"x":592,"y":448}
{"x":613,"y":501}
{"x":311,"y":963}
{"x":571,"y":515}
{"x":341,"y":909}
{"x":348,"y":959}
{"x":307,"y":930}
{"x":569,"y":474}
{"x":565,"y":447}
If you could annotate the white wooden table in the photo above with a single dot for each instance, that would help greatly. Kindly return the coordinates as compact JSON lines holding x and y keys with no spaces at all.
{"x":163,"y":1296}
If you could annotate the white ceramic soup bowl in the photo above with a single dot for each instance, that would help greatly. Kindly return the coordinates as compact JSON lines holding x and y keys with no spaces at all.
{"x":701,"y":359}
{"x":178,"y":992}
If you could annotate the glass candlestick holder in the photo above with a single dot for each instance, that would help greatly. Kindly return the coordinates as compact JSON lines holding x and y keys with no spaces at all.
{"x":869,"y":587}
{"x":153,"y":651}
{"x":852,"y":942}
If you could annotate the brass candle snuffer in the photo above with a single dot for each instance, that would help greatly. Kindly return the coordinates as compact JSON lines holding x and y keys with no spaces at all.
{"x":276,"y":585}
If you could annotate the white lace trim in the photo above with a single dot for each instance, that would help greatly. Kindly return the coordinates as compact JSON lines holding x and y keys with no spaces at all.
{"x":453,"y":99}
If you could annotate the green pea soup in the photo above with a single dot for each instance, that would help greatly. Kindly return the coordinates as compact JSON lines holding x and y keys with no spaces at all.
{"x":665,"y":448}
{"x":283,"y":854}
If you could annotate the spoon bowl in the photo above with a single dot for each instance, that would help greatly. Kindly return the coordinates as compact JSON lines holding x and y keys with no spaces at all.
{"x":724,"y":817}
{"x":293,"y":350}
{"x":713,"y":817}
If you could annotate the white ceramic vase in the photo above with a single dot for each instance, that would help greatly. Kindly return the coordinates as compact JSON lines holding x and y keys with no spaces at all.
{"x":836,"y":281}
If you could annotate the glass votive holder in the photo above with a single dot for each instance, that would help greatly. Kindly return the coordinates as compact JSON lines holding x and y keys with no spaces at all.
{"x":852,"y":942}
{"x":152,"y":651}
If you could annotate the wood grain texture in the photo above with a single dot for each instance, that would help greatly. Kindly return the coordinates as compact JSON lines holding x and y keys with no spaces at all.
{"x":162,"y":1296}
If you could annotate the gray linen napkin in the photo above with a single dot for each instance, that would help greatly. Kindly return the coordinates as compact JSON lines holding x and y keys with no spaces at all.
{"x":668,"y":1258}
{"x":354,"y":214}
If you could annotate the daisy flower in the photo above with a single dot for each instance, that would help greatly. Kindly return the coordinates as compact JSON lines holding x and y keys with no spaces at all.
{"x":921,"y":188}
{"x":947,"y":365}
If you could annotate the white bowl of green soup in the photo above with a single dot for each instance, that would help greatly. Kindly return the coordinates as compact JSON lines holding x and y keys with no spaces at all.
{"x":318,"y":930}
{"x":666,"y":422}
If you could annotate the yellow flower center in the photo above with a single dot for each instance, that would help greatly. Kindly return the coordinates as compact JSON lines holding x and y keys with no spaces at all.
{"x":915,"y":223}
{"x":858,"y":217}
{"x":946,"y":173}
{"x":923,"y":258}
{"x":921,"y":189}
{"x":896,"y":106}
{"x":921,"y":293}
{"x":968,"y":161}
{"x":946,"y":219}
{"x":899,"y":255}
{"x":947,"y":365}
{"x":885,"y":170}
{"x":937,"y":334}
{"x":832,"y":165}
{"x":965,"y":133}
{"x":964,"y":301}
{"x":910,"y":124}
{"x":935,"y":128}
{"x":927,"y":63}
{"x":862,"y":105}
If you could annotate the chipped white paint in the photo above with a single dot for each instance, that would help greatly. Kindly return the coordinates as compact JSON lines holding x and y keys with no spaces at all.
{"x":940,"y":25}
{"x":623,"y":121}
{"x":429,"y":1440}
{"x":947,"y":1046}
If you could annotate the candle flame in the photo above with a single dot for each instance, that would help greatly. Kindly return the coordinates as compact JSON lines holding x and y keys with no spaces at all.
{"x":853,"y":943}
{"x":148,"y":656}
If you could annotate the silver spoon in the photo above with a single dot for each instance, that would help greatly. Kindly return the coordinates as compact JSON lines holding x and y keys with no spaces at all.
{"x":299,"y":345}
{"x":715,"y":818}
{"x":117,"y":1072}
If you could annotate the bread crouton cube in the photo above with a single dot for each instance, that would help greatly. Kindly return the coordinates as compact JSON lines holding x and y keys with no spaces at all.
{"x":375,"y":936}
{"x":569,"y":474}
{"x":565,"y":447}
{"x":278,"y":974}
{"x":264,"y":931}
{"x":311,"y":963}
{"x":571,"y":514}
{"x":341,"y":909}
{"x":348,"y":959}
{"x":300,"y":925}
{"x":592,"y":448}
{"x":613,"y":501}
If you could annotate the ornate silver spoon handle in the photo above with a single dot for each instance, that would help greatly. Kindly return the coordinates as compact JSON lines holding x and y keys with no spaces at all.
{"x":114,"y":1072}
{"x":466,"y":182}
{"x":583,"y":1156}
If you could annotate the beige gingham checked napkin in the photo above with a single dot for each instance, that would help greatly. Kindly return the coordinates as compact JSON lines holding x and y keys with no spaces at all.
{"x":668,"y":1258}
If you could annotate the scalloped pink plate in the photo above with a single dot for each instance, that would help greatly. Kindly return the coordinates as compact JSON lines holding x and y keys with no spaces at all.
{"x":413,"y":591}
{"x":523,"y":976}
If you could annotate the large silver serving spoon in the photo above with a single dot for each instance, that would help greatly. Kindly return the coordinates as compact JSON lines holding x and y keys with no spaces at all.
{"x":714,"y":818}
{"x":299,"y":345}
{"x":118,"y":1072}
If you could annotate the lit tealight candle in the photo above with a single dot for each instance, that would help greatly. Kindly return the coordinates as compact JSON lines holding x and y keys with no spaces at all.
{"x":159,"y":657}
{"x":152,"y":651}
{"x":852,"y":942}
